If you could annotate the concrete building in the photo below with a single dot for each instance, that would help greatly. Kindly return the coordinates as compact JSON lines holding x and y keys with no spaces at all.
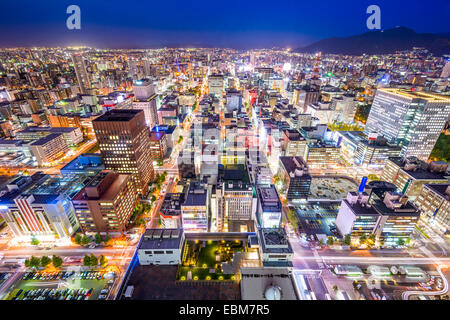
{"x":434,"y":202}
{"x":143,"y":89}
{"x":358,"y":149}
{"x":72,"y":135}
{"x":294,"y":144}
{"x":161,"y":247}
{"x":40,"y":206}
{"x":412,"y":120}
{"x":158,"y":145}
{"x":295,"y":174}
{"x":195,"y":209}
{"x":170,"y":212}
{"x":274,"y":248}
{"x":106,"y":203}
{"x":89,"y":164}
{"x":83,"y":79}
{"x":267,"y":284}
{"x":269,"y":208}
{"x":379,"y":210}
{"x":410,"y":174}
{"x":49,"y":148}
{"x":216,"y":85}
{"x":235,"y":196}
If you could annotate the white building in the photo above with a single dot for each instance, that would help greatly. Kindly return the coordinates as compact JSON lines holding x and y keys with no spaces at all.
{"x":161,"y":246}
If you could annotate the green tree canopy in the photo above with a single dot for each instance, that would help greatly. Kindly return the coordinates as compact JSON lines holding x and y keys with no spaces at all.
{"x":45,"y":261}
{"x":98,"y":238}
{"x":57,"y":261}
{"x":78,"y":238}
{"x":85,"y":240}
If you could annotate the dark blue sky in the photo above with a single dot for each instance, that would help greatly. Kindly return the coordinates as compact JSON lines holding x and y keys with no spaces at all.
{"x":232,"y":23}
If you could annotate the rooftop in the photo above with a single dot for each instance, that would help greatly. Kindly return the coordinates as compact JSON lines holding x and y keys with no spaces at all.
{"x":118,"y":115}
{"x":161,"y":239}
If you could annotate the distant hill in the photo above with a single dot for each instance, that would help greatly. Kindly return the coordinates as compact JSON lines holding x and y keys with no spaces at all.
{"x":382,"y":42}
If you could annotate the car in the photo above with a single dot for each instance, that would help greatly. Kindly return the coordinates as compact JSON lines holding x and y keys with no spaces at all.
{"x":19,"y":292}
{"x":102,"y":297}
{"x":104,"y":291}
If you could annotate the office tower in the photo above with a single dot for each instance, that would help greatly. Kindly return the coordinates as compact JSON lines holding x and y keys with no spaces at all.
{"x":145,"y":99}
{"x":434,"y":202}
{"x":124,"y":143}
{"x":294,"y":173}
{"x":82,"y":76}
{"x":106,"y":203}
{"x":410,"y":119}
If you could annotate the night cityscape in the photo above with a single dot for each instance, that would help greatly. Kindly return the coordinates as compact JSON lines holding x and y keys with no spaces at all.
{"x":233,"y":152}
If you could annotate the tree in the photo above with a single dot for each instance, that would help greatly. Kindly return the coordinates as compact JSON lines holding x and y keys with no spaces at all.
{"x":320,"y":242}
{"x":45,"y":261}
{"x":86,"y":261}
{"x":98,"y":238}
{"x":57,"y":261}
{"x":77,"y":238}
{"x":85,"y":240}
{"x":35,"y":262}
{"x":347,"y":240}
{"x":363,"y":239}
{"x":153,"y":198}
{"x":335,"y":288}
{"x":293,"y":219}
{"x":103,"y":260}
{"x":371,"y":240}
{"x":401,"y":242}
{"x":160,"y":162}
{"x":330,"y":241}
{"x":34,"y":241}
{"x":94,"y":261}
{"x":27,"y":263}
{"x":107,"y":237}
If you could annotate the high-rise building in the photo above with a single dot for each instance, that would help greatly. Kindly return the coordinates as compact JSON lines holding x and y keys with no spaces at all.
{"x":82,"y":76}
{"x":410,"y":119}
{"x":124,"y":143}
{"x":106,"y":203}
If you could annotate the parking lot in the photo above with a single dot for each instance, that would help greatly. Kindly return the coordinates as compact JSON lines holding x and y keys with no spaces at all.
{"x":63,"y":285}
{"x":318,"y":218}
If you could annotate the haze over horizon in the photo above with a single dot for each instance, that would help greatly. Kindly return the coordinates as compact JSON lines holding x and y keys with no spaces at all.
{"x":237,"y":24}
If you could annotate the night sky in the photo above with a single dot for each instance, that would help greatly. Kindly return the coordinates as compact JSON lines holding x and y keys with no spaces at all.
{"x":239,"y":24}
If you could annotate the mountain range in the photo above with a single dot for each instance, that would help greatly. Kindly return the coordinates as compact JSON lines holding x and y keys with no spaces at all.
{"x":382,"y":42}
